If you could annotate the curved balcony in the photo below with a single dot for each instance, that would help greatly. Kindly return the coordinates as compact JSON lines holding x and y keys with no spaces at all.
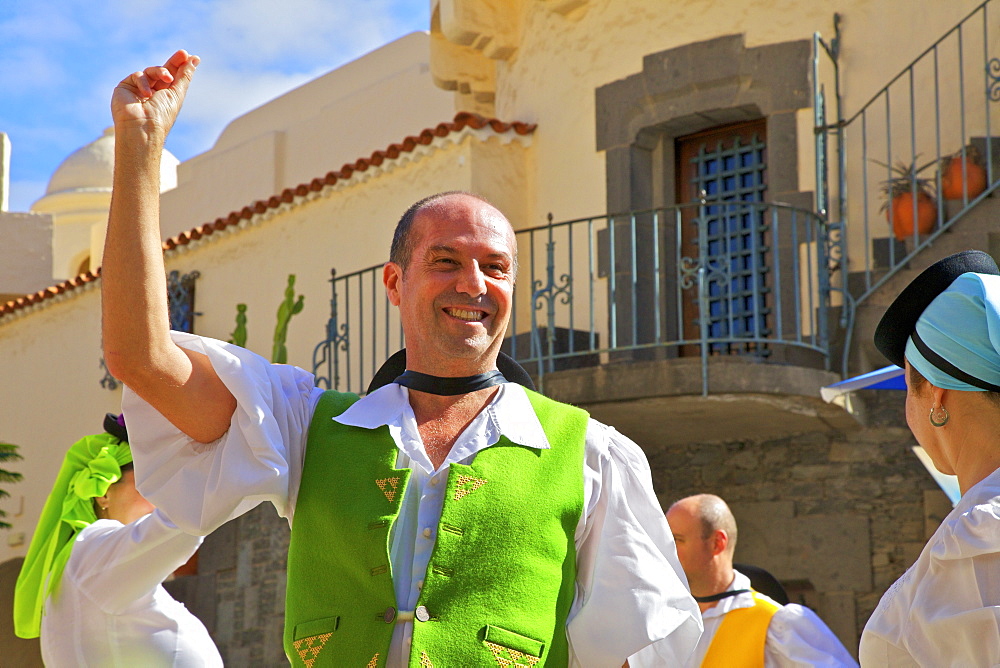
{"x":689,"y":314}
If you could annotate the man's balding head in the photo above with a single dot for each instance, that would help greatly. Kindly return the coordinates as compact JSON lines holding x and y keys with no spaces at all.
{"x":454,"y":260}
{"x":705,"y":534}
{"x":714,"y":515}
{"x":403,"y":241}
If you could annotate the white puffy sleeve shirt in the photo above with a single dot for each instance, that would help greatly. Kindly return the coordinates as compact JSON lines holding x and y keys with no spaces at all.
{"x":631,"y":591}
{"x":796,"y":636}
{"x":111,"y":609}
{"x":945,"y":610}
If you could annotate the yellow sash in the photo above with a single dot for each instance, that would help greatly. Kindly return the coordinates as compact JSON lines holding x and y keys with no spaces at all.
{"x":740,"y":638}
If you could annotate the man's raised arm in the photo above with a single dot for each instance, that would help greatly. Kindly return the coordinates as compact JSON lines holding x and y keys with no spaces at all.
{"x":182,"y":385}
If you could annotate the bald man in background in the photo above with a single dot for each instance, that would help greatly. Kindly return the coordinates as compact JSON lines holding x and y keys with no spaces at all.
{"x":742,"y":626}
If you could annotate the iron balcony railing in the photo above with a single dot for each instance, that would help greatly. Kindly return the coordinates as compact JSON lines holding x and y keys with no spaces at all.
{"x":698,"y":281}
{"x":905,"y":166}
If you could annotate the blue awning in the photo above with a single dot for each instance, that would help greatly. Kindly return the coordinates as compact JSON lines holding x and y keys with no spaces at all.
{"x":887,"y":378}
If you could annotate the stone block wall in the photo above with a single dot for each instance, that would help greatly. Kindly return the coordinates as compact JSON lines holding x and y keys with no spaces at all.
{"x":239,"y":591}
{"x":836,"y":516}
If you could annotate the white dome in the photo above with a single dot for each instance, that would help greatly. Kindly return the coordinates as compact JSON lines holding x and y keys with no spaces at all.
{"x":92,"y":168}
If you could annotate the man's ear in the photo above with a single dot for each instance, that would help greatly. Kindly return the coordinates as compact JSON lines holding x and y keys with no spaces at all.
{"x":720,"y":541}
{"x":392,"y":274}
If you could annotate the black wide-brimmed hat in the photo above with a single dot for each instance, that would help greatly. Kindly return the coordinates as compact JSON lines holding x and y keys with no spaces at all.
{"x":900,"y":319}
{"x":115,"y":425}
{"x":396,"y":365}
{"x":762,"y":581}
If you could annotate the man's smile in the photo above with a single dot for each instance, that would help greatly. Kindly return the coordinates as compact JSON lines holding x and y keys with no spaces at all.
{"x":465,"y":314}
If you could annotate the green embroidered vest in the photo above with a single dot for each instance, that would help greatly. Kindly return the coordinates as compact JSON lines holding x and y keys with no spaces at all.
{"x":502,"y":573}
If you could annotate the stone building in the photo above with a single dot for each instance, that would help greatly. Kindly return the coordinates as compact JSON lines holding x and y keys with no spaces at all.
{"x":696,"y":193}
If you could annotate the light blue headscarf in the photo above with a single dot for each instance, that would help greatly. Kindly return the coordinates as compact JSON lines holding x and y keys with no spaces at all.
{"x":956,"y":344}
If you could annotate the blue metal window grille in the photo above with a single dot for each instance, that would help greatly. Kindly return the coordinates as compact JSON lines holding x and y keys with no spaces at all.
{"x":180,"y":300}
{"x":734,"y":238}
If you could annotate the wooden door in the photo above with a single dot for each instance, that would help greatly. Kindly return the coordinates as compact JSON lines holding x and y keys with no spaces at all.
{"x":727,"y":167}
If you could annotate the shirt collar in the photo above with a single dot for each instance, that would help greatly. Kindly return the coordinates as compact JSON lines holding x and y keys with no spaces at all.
{"x":740,"y":581}
{"x":510,"y":413}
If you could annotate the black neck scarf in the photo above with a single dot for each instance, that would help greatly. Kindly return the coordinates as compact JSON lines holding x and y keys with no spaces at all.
{"x":447,"y":387}
{"x":718,"y":597}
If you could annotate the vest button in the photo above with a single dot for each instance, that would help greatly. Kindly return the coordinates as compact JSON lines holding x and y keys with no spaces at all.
{"x":390,"y":614}
{"x":421,"y":613}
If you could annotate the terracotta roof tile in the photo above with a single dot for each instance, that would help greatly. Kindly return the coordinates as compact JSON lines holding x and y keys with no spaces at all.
{"x":48,"y":293}
{"x":461,"y":121}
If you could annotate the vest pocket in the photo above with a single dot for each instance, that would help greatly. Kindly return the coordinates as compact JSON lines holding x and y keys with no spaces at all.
{"x":515,"y":641}
{"x":316,"y":627}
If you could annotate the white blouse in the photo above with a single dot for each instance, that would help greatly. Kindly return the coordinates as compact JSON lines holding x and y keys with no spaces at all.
{"x":111,"y":610}
{"x":631,"y":591}
{"x":945,"y":610}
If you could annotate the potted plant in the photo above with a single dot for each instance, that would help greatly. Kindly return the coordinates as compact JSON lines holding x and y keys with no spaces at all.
{"x":909,"y":199}
{"x":963,"y":175}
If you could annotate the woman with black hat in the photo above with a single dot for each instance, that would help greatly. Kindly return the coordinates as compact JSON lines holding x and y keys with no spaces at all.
{"x":944,"y":328}
{"x":90,"y":584}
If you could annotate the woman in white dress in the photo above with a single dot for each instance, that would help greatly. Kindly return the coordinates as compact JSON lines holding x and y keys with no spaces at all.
{"x":945,"y":329}
{"x":90,"y":585}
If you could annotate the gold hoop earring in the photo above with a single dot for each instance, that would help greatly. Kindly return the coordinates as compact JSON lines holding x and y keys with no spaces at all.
{"x":939,"y":416}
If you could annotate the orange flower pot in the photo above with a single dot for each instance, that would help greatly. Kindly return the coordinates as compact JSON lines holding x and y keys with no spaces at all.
{"x":902,"y":214}
{"x":952,"y":182}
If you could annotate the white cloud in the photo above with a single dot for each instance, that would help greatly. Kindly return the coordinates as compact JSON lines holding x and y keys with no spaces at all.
{"x":261,"y":33}
{"x":218,"y":96}
{"x":61,"y":60}
{"x":256,"y":50}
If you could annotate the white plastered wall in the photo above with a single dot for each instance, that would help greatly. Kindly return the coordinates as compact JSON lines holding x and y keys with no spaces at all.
{"x":53,"y":352}
{"x":559,"y":52}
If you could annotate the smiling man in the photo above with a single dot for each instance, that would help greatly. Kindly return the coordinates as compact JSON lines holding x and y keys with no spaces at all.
{"x":448,"y":518}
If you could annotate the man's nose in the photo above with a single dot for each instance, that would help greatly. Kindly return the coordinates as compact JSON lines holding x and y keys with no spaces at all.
{"x":472,"y":281}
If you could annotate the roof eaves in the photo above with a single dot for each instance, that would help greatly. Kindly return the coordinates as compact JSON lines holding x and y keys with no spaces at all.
{"x":362,"y":169}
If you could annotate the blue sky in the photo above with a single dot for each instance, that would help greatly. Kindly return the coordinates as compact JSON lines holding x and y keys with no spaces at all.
{"x":61,"y":59}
